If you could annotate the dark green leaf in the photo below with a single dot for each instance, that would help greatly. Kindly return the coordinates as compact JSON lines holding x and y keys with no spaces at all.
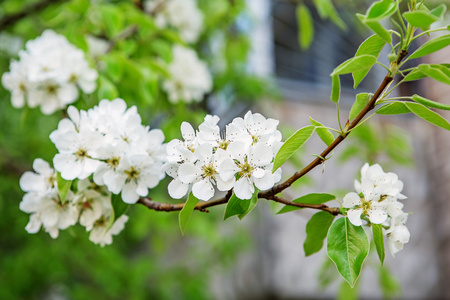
{"x":428,"y":115}
{"x":355,"y":64}
{"x":305,"y":26}
{"x":313,"y":198}
{"x":291,"y":145}
{"x":430,"y":103}
{"x":372,"y":46}
{"x":432,"y":46}
{"x":381,"y":10}
{"x":335,"y":88}
{"x":316,"y":231}
{"x":348,"y":247}
{"x":325,"y":135}
{"x":63,"y":186}
{"x":186,"y":212}
{"x":361,"y":101}
{"x":377,"y":230}
{"x":395,"y":108}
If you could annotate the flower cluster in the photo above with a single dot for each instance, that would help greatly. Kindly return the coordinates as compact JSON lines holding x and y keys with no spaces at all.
{"x":90,"y":205}
{"x":377,"y":199}
{"x":110,"y":143}
{"x":183,"y":15}
{"x":242,"y":158}
{"x":189,"y":76}
{"x":48,"y":74}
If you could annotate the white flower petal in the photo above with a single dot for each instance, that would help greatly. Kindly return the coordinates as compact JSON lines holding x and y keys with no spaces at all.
{"x":203,"y":189}
{"x":243,"y":188}
{"x":354,"y":216}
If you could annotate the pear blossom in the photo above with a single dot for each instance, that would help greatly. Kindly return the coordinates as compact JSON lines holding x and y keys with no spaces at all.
{"x":100,"y":234}
{"x":49,"y":74}
{"x":189,"y":78}
{"x":398,"y":234}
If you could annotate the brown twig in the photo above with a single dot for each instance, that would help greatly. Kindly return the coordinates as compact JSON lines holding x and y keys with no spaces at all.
{"x":12,"y":19}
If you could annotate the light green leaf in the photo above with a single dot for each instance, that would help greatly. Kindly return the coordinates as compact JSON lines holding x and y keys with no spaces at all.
{"x":313,"y":198}
{"x":420,"y":19}
{"x":186,"y":212}
{"x":291,"y":145}
{"x":415,"y":74}
{"x":381,"y":10}
{"x":348,"y":247}
{"x":106,"y":89}
{"x":239,"y":207}
{"x":388,"y":283}
{"x":437,"y":72}
{"x":305,"y":26}
{"x":63,"y":186}
{"x":361,"y":101}
{"x":316,"y":231}
{"x":377,"y":230}
{"x":432,"y":46}
{"x":372,"y":46}
{"x":439,"y":11}
{"x":335,"y":88}
{"x":118,"y":209}
{"x":430,"y":103}
{"x":113,"y":18}
{"x":326,"y":9}
{"x":114,"y":66}
{"x":251,"y":204}
{"x":395,"y":108}
{"x":324,"y":133}
{"x":355,"y":64}
{"x":376,"y":27}
{"x":428,"y":115}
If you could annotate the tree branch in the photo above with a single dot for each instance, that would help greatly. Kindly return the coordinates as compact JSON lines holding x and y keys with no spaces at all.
{"x":14,"y":18}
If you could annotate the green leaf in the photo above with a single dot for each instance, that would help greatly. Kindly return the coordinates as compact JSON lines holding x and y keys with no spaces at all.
{"x":430,"y":103}
{"x":439,"y":11}
{"x":348,"y":247}
{"x":113,"y":18}
{"x":251,"y":204}
{"x":316,"y":231}
{"x":313,"y":198}
{"x":388,"y":283}
{"x":372,"y":46}
{"x":381,"y":10}
{"x":335,"y":88}
{"x":346,"y":292}
{"x":291,"y":145}
{"x":118,"y":209}
{"x":324,"y":133}
{"x":432,"y":46}
{"x":305,"y":26}
{"x":414,"y":75}
{"x":437,"y":72}
{"x":361,"y":101}
{"x":240,"y":207}
{"x":63,"y":186}
{"x":326,"y":9}
{"x":377,"y":230}
{"x":395,"y":108}
{"x":114,"y":66}
{"x":428,"y":115}
{"x":186,"y":212}
{"x":355,"y":64}
{"x":106,"y":89}
{"x":376,"y":27}
{"x":420,"y":19}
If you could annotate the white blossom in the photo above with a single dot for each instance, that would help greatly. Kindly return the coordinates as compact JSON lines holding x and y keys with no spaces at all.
{"x":398,"y":234}
{"x":100,"y":234}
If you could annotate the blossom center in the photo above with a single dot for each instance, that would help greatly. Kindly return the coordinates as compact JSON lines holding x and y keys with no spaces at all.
{"x":51,"y":89}
{"x":132,"y":173}
{"x":113,"y":162}
{"x":208,"y":171}
{"x":366,"y":206}
{"x":81,"y":153}
{"x":246,"y":169}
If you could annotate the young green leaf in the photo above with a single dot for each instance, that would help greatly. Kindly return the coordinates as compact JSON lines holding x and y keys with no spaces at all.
{"x":348,"y":247}
{"x":251,"y":204}
{"x":325,"y":135}
{"x":335,"y":88}
{"x":305,"y":26}
{"x":118,"y":209}
{"x":428,"y":115}
{"x":106,"y":89}
{"x":437,"y":72}
{"x":326,"y":9}
{"x":316,"y":231}
{"x":114,"y":66}
{"x":377,"y":230}
{"x":396,"y":108}
{"x":186,"y":212}
{"x":291,"y":145}
{"x":112,"y":17}
{"x":388,"y":283}
{"x":63,"y":186}
{"x":419,"y":18}
{"x":432,"y":46}
{"x":347,"y":292}
{"x":313,"y":198}
{"x":415,"y":74}
{"x":430,"y":103}
{"x":237,"y":207}
{"x":376,"y":27}
{"x":361,"y":101}
{"x":372,"y":46}
{"x":439,"y":11}
{"x":381,"y":10}
{"x":355,"y":64}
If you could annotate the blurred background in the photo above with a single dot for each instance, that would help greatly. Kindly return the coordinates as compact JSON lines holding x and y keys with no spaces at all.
{"x":252,"y":50}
